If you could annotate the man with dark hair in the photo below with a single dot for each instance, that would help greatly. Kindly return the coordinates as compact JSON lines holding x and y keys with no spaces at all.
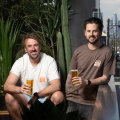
{"x":96,"y":21}
{"x":95,"y":64}
{"x":38,"y":67}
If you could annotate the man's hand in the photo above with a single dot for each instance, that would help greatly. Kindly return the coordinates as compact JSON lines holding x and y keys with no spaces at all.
{"x":78,"y":81}
{"x":24,"y":89}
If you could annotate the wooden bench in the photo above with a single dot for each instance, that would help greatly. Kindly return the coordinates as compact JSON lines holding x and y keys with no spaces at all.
{"x":5,"y":112}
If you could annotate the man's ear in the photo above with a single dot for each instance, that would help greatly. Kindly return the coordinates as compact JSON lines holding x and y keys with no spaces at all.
{"x":40,"y":47}
{"x":25,"y":50}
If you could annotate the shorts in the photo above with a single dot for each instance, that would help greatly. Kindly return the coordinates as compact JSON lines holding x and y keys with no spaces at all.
{"x":42,"y":100}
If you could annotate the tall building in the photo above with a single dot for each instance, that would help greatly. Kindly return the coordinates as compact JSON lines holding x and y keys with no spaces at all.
{"x":116,"y":25}
{"x":118,"y":28}
{"x":96,"y":9}
{"x":115,"y":19}
{"x":111,"y":33}
{"x":114,"y":32}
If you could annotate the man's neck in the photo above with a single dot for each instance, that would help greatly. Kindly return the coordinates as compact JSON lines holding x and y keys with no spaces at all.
{"x":94,"y":46}
{"x":34,"y":62}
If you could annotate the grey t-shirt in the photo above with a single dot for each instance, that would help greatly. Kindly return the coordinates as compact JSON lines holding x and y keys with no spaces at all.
{"x":91,"y":64}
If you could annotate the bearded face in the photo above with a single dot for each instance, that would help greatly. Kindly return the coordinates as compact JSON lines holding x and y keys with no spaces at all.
{"x":92,"y":33}
{"x":32,"y":47}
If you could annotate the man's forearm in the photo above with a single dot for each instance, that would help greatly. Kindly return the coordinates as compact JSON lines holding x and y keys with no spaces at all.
{"x":100,"y":80}
{"x":48,"y":91}
{"x":12,"y":89}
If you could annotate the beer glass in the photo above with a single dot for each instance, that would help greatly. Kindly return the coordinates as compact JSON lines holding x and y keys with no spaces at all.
{"x":74,"y":73}
{"x":30,"y":83}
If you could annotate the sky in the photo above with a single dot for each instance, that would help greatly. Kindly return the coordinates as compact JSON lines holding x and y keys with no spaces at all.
{"x":108,"y":8}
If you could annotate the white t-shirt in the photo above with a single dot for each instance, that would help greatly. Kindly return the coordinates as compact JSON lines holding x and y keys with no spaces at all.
{"x":42,"y":74}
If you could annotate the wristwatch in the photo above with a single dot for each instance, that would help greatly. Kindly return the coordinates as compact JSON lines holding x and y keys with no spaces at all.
{"x":89,"y":82}
{"x":36,"y":95}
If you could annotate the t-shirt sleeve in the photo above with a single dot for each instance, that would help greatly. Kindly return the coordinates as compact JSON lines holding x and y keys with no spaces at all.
{"x":16,"y":68}
{"x":73,"y":63}
{"x":53,"y":71}
{"x":109,"y":64}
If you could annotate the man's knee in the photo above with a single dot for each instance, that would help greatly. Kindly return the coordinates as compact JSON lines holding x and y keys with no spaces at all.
{"x":15,"y":99}
{"x":57,"y":97}
{"x":9,"y":99}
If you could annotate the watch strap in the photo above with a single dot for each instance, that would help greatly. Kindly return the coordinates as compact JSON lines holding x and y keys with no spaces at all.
{"x":36,"y":94}
{"x":89,"y":82}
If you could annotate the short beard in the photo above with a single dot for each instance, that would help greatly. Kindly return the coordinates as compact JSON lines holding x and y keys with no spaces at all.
{"x":34,"y":58}
{"x":93,"y":42}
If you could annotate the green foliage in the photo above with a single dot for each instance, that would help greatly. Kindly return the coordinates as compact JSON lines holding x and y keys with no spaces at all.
{"x":61,"y":59}
{"x":64,"y":45}
{"x":65,"y":32}
{"x":9,"y":32}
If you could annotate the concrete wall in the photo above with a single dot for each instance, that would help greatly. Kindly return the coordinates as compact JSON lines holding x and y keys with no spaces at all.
{"x":82,"y":9}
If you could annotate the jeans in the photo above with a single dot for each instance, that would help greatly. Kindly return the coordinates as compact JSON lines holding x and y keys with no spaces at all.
{"x":76,"y":111}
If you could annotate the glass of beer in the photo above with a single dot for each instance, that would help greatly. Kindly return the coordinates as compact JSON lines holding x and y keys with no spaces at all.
{"x":74,"y":73}
{"x":30,"y":83}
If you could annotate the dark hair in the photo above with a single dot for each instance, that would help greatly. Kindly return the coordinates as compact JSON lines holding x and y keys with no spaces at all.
{"x":32,"y":36}
{"x":96,"y":21}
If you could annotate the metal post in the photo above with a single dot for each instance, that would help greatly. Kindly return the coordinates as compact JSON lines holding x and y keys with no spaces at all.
{"x":108,"y":36}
